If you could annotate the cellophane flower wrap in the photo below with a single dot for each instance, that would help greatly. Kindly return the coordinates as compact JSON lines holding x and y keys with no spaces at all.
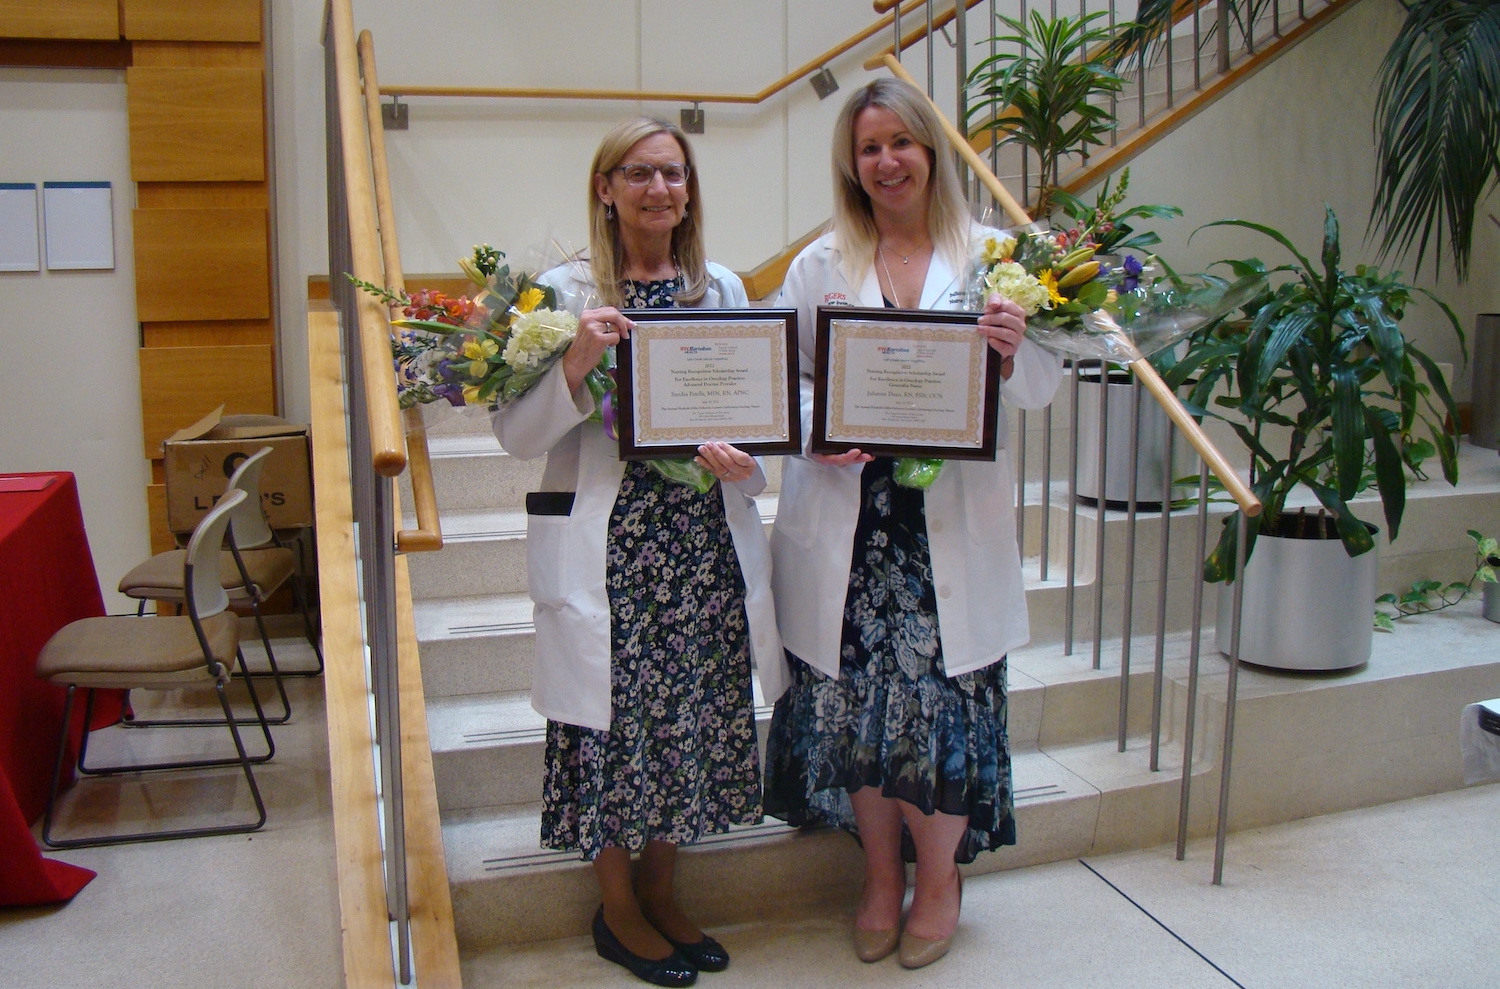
{"x":1091,"y":291}
{"x":489,"y":349}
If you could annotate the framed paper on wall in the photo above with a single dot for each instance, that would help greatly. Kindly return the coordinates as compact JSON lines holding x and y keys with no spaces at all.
{"x":690,"y":376}
{"x":904,"y":383}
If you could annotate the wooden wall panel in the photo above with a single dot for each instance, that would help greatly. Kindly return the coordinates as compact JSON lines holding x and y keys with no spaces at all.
{"x":223,"y":332}
{"x":156,"y":512}
{"x":196,"y":125}
{"x":180,"y":385}
{"x":196,"y":55}
{"x":77,"y":19}
{"x":201,"y":195}
{"x":191,"y":20}
{"x":201,"y":264}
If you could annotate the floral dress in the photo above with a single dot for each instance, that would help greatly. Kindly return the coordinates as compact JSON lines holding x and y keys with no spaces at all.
{"x":892,"y":719}
{"x":679,"y":760}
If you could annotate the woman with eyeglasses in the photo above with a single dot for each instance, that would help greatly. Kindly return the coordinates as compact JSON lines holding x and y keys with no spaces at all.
{"x":650,"y":598}
{"x":897,"y":605}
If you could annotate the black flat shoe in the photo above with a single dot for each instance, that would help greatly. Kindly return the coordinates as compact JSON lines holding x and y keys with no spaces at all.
{"x":671,"y":971}
{"x":707,"y":955}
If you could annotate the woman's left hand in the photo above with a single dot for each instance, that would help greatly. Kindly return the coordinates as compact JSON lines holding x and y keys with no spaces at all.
{"x":1004,"y":324}
{"x":728,"y":464}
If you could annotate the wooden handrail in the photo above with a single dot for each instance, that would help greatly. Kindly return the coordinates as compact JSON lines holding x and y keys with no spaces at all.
{"x":916,"y":34}
{"x":356,"y":819}
{"x":661,"y":96}
{"x":1144,"y":372}
{"x":428,"y":535}
{"x":387,"y":445}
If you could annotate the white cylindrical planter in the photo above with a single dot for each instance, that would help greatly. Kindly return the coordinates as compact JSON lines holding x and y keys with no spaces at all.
{"x":1491,"y":602}
{"x":1308,"y":605}
{"x":1155,"y":430}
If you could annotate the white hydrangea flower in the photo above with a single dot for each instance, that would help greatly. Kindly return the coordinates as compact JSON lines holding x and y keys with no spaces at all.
{"x":1011,"y":281}
{"x":535,"y":336}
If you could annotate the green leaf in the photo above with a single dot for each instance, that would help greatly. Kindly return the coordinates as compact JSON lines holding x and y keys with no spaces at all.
{"x":1348,"y":430}
{"x":1390,"y":478}
{"x":1437,"y":127}
{"x":1354,"y":533}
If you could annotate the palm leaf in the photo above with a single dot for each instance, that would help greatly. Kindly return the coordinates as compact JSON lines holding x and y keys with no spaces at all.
{"x":1437,"y":129}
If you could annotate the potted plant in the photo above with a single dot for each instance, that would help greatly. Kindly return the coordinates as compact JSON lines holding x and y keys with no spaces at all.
{"x":1329,"y":397}
{"x":1050,"y":95}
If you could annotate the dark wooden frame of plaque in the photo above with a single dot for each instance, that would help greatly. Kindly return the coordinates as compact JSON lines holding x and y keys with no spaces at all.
{"x":625,"y":384}
{"x":990,"y":414}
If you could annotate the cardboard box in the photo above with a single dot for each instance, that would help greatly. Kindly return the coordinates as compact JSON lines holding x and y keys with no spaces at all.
{"x":200,"y":459}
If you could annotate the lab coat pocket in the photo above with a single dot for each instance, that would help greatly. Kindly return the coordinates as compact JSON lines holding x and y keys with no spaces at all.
{"x":547,"y":556}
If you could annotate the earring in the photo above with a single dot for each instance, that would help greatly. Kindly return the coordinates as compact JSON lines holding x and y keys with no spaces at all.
{"x":609,"y":211}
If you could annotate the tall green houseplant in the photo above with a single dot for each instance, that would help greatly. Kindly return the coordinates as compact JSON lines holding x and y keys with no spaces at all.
{"x":1322,"y":357}
{"x":1049,"y":94}
{"x":1437,"y":128}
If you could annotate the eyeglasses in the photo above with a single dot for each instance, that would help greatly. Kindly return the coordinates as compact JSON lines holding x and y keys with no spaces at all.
{"x":672,"y":173}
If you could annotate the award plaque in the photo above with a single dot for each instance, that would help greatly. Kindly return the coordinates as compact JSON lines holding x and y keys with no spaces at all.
{"x":689,"y":376}
{"x":904,"y":383}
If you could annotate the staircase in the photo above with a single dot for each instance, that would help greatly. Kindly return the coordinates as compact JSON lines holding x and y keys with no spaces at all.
{"x":1307,"y":752}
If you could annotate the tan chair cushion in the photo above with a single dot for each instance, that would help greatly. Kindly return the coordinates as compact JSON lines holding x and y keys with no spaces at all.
{"x":160,"y":578}
{"x":124,"y":652}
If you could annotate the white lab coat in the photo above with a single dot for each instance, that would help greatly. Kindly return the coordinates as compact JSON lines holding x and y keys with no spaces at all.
{"x":565,"y":553}
{"x":976,"y":566}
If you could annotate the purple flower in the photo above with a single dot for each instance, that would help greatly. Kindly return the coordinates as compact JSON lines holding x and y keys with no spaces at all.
{"x":1132,"y":269}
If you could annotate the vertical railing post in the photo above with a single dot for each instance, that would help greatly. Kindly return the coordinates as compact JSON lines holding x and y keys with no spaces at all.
{"x":1231,"y":696}
{"x":1162,"y":572}
{"x":1190,"y":717}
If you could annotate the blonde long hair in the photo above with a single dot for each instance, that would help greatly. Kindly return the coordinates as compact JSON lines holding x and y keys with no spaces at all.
{"x":606,"y":250}
{"x":853,"y":220}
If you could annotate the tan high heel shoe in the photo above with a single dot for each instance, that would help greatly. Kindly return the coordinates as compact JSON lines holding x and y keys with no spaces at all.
{"x":919,"y":951}
{"x":871,"y":946}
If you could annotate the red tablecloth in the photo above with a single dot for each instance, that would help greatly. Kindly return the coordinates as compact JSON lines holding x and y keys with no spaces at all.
{"x":47,"y":579}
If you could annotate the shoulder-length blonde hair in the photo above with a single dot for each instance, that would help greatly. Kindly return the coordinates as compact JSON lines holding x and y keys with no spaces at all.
{"x":606,"y":250}
{"x":853,"y":221}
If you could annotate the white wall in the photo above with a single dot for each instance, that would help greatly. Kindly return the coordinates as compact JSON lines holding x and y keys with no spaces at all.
{"x":513,"y":172}
{"x":70,"y":338}
{"x":1298,"y":135}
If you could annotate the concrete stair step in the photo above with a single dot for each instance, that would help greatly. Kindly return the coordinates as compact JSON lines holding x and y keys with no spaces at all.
{"x":487,"y":748}
{"x":498,"y":872}
{"x":471,"y":472}
{"x":484,"y":554}
{"x":475,"y":645}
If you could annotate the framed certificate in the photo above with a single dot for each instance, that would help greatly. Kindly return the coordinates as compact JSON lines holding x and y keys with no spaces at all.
{"x":688,"y":376}
{"x":904,"y":383}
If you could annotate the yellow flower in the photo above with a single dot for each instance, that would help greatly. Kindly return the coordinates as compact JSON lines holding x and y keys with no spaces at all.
{"x":479,"y":353}
{"x":1049,"y":282}
{"x":997,"y":249}
{"x":471,"y":394}
{"x":529,"y":299}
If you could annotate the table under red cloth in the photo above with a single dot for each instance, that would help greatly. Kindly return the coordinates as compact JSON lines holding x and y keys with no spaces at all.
{"x":47,"y":579}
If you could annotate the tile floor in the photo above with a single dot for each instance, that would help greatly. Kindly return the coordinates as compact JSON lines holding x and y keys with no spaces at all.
{"x":1399,"y":896}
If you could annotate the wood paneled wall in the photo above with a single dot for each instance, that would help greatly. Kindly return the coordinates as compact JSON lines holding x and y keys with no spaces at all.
{"x":195,"y":86}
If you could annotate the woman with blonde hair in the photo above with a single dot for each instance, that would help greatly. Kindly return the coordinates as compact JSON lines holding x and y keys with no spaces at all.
{"x":650,"y":597}
{"x":896,"y":605}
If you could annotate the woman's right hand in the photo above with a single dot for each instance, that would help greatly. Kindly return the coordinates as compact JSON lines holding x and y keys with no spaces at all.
{"x":598,"y":330}
{"x":841,"y":459}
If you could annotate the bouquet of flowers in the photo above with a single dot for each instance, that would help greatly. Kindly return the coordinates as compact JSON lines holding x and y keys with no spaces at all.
{"x":1081,"y":300}
{"x":490,"y":349}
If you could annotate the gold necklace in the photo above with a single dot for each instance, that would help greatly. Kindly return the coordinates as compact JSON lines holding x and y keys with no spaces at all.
{"x":895,"y":296}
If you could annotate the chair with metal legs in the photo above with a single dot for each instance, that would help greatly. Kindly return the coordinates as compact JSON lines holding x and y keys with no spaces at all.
{"x":197,"y":649}
{"x":261,"y":567}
